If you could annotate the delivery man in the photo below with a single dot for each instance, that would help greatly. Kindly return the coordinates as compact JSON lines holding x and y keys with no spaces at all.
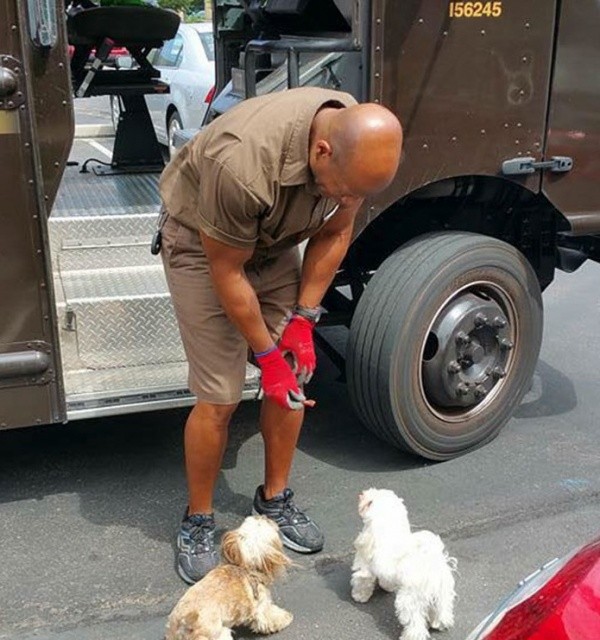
{"x":238,"y":200}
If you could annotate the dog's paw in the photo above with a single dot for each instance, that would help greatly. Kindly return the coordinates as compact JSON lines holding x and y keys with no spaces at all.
{"x":286,"y":619}
{"x":415,"y":634}
{"x":387,"y":586}
{"x":273,"y":620}
{"x":440,"y":624}
{"x":362,"y":595}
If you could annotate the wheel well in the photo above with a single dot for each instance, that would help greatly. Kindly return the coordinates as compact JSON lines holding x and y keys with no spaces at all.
{"x":486,"y":205}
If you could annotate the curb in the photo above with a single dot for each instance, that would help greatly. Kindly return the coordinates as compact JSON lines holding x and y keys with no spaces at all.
{"x":94,"y":131}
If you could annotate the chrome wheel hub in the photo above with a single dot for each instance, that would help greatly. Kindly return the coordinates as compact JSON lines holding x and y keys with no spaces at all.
{"x":467,"y":352}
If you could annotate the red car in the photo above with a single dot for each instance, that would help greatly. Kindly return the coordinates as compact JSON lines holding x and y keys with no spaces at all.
{"x":560,"y":601}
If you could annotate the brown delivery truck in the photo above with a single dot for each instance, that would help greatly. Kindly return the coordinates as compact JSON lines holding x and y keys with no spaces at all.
{"x":441,"y":289}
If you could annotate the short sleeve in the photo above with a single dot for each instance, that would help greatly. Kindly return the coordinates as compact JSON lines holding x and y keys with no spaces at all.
{"x":227,"y":210}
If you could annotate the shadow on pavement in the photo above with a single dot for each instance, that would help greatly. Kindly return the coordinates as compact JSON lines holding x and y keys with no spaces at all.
{"x":137,"y":461}
{"x":551,"y":394}
{"x":380,"y":607}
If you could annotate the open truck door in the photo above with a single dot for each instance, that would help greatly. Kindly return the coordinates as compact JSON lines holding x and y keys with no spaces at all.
{"x":36,"y":133}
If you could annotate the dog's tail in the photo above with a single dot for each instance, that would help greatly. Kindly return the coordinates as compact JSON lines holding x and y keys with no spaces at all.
{"x":452,"y":563}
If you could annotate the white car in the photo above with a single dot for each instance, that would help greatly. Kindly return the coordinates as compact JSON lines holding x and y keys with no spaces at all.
{"x":187,"y":64}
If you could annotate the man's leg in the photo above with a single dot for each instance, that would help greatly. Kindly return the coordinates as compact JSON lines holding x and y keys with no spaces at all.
{"x":280,"y":429}
{"x":216,"y":354}
{"x":277,"y":286}
{"x":205,"y":442}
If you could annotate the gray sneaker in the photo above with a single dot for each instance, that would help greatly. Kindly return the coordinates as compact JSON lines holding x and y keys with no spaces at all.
{"x":298,"y":532}
{"x":196,"y":547}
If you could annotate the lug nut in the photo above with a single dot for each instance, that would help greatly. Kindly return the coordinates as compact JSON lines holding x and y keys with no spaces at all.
{"x":454,"y":367}
{"x":461,"y":389}
{"x":499,"y":322}
{"x":498,"y":372}
{"x":480,"y":320}
{"x":462,"y":338}
{"x":480,"y":392}
{"x":506,"y":344}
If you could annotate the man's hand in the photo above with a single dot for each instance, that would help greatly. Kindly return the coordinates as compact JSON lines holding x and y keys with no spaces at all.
{"x":297,"y":340}
{"x":279,"y":383}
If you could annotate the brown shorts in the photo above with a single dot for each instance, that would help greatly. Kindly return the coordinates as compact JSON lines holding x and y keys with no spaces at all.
{"x":216,"y":352}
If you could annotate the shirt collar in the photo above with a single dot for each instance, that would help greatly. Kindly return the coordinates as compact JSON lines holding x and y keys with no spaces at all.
{"x":296,"y":170}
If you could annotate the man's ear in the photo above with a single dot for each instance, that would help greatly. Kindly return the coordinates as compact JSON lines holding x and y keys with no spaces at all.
{"x":323,"y":149}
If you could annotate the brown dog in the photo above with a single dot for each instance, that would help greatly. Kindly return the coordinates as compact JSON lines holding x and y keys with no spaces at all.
{"x":235,"y":593}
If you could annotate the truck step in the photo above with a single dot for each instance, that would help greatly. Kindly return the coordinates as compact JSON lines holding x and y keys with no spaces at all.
{"x":126,"y":390}
{"x":100,"y":230}
{"x":100,"y":254}
{"x":85,"y":194}
{"x":122,"y":317}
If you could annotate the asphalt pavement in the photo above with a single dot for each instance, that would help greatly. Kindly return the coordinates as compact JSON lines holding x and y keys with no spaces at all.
{"x":88,"y":510}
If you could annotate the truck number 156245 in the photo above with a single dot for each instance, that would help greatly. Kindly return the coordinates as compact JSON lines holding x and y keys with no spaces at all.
{"x":475,"y":9}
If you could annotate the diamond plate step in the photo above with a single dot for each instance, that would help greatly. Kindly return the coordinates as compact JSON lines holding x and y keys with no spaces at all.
{"x":109,"y":391}
{"x":100,"y":230}
{"x":122,"y":317}
{"x":85,"y":194}
{"x":98,"y":256}
{"x":120,"y":343}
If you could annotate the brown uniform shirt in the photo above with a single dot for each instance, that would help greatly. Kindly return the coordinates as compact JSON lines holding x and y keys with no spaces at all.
{"x":245,"y":179}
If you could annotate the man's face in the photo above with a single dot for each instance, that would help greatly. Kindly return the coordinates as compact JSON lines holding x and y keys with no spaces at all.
{"x":332,"y":183}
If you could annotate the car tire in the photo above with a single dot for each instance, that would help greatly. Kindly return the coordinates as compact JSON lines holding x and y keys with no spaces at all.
{"x":174,"y":124}
{"x":444,"y":342}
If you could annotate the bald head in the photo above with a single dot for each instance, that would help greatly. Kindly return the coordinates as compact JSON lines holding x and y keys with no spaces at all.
{"x":355,"y":150}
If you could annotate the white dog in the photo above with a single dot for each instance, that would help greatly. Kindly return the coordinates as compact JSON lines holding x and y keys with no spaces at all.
{"x":415,"y":566}
{"x":237,"y":592}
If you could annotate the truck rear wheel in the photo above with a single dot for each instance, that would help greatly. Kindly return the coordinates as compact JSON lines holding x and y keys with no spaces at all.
{"x":444,"y":342}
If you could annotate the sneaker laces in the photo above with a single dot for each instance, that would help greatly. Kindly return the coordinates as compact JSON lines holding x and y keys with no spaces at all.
{"x":290,"y":510}
{"x":200,"y":529}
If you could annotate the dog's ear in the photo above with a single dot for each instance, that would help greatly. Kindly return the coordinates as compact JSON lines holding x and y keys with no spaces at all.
{"x":273,"y":562}
{"x":364,"y":504}
{"x":230,"y":548}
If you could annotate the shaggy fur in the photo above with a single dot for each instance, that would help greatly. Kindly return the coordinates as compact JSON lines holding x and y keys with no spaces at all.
{"x":415,"y":566}
{"x":235,"y":593}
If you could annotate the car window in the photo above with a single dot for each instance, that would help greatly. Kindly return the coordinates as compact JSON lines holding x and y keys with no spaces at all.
{"x":170,"y":54}
{"x":208,"y":43}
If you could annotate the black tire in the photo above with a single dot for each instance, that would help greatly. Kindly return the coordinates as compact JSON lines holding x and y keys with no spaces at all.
{"x":400,"y":384}
{"x":173,"y":124}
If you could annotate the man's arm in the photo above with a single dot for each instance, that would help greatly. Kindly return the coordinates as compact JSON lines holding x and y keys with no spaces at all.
{"x":325,"y":252}
{"x":241,"y":305}
{"x":226,"y":264}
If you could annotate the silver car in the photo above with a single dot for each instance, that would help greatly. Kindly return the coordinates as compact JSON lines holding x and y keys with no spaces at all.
{"x":187,"y":64}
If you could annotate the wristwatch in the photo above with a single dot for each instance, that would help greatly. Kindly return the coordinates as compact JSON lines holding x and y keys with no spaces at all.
{"x":310,"y":313}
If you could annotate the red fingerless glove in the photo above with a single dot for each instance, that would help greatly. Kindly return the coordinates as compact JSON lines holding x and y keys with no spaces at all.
{"x":278,"y":382}
{"x":297,"y":339}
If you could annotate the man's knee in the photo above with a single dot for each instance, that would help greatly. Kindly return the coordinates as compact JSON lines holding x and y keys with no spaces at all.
{"x":217,"y":414}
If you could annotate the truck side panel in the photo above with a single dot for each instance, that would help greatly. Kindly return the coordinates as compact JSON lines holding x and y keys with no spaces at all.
{"x":30,"y":369}
{"x":574,"y":125}
{"x":469,"y":81}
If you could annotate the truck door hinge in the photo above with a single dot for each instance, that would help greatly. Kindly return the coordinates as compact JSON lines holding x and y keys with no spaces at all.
{"x":520,"y":166}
